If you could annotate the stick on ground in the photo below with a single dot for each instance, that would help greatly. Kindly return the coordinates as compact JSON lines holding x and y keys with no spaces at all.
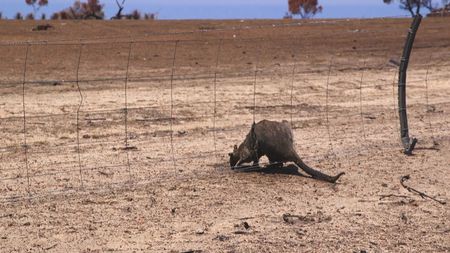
{"x":421,"y":194}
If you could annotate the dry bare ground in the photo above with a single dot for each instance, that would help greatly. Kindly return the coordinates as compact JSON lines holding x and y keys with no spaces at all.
{"x":171,"y":189}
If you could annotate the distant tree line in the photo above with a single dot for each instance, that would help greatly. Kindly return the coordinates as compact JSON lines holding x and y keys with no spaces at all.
{"x":88,"y":9}
{"x":303,"y":8}
{"x":93,"y":9}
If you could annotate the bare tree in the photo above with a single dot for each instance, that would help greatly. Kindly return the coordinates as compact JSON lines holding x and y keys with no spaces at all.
{"x":150,"y":16}
{"x":55,"y":16}
{"x":18,"y":16}
{"x":92,"y":9}
{"x":134,"y":15}
{"x":29,"y":16}
{"x":119,"y":14}
{"x":414,"y":6}
{"x":36,"y":4}
{"x":304,"y":8}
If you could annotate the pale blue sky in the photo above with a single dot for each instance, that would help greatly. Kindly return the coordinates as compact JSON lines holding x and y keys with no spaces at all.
{"x":230,"y":9}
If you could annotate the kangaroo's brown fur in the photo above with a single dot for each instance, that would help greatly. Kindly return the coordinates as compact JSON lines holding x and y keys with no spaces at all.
{"x":274,"y":140}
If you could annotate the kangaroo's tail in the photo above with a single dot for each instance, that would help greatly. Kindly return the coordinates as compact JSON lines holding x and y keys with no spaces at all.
{"x":317,"y":174}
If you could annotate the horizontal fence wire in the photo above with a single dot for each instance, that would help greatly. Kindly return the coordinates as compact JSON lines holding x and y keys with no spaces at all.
{"x":210,"y":116}
{"x":160,"y":180}
{"x":201,"y":30}
{"x":152,"y":162}
{"x":339,"y":114}
{"x":370,"y":83}
{"x":163,"y":106}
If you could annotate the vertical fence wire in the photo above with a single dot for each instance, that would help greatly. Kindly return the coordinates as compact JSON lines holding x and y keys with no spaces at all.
{"x":80,"y":52}
{"x":172,"y":150}
{"x":254,"y":84}
{"x":130,"y":46}
{"x":292,"y":94}
{"x":394,"y":105}
{"x":293,"y":76}
{"x":327,"y":117}
{"x":216,"y":69}
{"x":25,"y":145}
{"x":429,"y":109}
{"x":361,"y":82}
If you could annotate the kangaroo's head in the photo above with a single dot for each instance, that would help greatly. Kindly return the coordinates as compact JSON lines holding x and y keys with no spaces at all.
{"x":240,"y":155}
{"x":234,"y":156}
{"x":246,"y":152}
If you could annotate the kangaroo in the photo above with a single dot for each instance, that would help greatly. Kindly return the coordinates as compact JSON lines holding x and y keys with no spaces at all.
{"x":274,"y":140}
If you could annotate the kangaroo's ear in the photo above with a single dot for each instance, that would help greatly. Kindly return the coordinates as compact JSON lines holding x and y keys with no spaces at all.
{"x":235,"y":148}
{"x":230,"y":154}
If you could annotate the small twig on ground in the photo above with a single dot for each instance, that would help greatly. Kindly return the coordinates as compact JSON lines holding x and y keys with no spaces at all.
{"x":286,"y":217}
{"x":104,"y":173}
{"x":392,"y":195}
{"x":241,"y":232}
{"x":247,"y":218}
{"x":129,"y":148}
{"x":421,"y":194}
{"x":291,"y":218}
{"x":51,"y":247}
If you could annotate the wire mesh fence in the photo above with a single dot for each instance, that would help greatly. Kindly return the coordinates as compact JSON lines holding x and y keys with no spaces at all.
{"x":80,"y":117}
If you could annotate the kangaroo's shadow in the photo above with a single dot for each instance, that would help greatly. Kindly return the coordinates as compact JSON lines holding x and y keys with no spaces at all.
{"x":290,"y":169}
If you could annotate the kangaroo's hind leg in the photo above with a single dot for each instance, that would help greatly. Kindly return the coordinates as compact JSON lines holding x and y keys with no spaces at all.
{"x":275,"y":163}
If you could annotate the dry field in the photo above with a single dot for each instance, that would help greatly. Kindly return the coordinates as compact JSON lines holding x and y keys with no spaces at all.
{"x":116,"y":146}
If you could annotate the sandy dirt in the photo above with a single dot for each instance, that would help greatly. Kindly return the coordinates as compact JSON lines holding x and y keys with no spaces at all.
{"x":80,"y":173}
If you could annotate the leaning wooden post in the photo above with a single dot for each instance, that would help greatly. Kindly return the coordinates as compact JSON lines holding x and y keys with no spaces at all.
{"x":408,"y":143}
